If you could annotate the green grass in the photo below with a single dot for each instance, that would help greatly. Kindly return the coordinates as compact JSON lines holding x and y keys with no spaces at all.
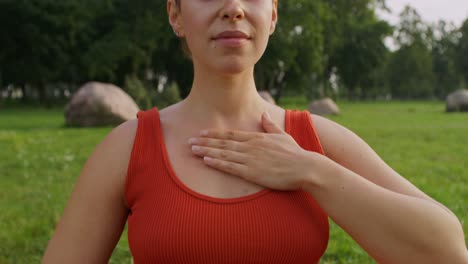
{"x":40,"y":160}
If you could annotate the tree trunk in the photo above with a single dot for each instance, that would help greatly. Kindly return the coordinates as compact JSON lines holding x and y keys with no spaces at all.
{"x":25,"y":98}
{"x":44,"y":100}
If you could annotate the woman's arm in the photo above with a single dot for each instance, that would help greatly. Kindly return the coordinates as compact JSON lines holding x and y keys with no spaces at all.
{"x":388,"y":216}
{"x":96,"y":213}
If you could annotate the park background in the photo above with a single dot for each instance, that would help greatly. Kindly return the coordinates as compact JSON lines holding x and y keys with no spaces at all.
{"x":389,"y":80}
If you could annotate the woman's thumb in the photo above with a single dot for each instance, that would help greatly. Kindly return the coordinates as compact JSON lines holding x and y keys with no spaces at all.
{"x":269,"y":125}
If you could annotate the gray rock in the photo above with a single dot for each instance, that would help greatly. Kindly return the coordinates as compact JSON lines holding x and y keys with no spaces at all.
{"x":100,"y":104}
{"x":267,"y":97}
{"x":324,"y":107}
{"x":457,"y":101}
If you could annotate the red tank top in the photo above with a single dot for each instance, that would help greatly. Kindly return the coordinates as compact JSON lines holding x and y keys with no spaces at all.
{"x":170,"y":223}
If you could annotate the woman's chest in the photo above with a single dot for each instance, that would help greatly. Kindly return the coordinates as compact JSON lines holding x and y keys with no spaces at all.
{"x":192,"y":172}
{"x":279,"y":227}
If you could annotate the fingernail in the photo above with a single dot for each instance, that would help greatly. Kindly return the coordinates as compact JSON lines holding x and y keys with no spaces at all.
{"x":195,"y":148}
{"x":192,"y":141}
{"x":204,"y":133}
{"x":267,"y":115}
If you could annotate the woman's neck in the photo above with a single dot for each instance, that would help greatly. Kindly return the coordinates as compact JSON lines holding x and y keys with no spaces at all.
{"x":221,"y":99}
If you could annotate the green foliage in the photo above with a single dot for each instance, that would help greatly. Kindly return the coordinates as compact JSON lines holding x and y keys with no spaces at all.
{"x":447,"y":78}
{"x":295,"y":49}
{"x":462,"y":52}
{"x":170,"y":95}
{"x":427,"y":63}
{"x":410,"y":72}
{"x":320,"y":48}
{"x":147,"y":97}
{"x":137,"y":90}
{"x":131,"y":32}
{"x":412,"y":29}
{"x":354,"y":46}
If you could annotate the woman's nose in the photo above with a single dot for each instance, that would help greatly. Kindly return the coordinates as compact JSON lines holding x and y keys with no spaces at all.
{"x":232,"y":10}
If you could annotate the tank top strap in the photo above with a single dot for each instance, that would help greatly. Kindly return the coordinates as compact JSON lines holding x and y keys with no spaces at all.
{"x":300,"y":126}
{"x":145,"y":154}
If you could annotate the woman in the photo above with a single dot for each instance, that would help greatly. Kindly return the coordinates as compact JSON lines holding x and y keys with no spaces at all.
{"x":224,"y":177}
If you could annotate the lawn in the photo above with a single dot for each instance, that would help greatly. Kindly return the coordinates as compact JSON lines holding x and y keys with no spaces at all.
{"x":40,"y":160}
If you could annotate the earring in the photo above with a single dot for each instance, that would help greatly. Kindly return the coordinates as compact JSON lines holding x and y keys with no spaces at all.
{"x":176,"y":33}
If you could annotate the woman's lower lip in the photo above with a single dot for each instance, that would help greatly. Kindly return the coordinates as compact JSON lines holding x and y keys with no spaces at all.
{"x":231,"y":42}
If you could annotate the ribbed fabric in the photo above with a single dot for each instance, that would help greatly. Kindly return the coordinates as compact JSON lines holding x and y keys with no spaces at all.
{"x":170,"y":223}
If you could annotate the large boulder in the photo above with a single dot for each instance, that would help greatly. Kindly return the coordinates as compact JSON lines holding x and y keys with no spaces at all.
{"x":99,"y":104}
{"x":324,"y":107}
{"x":267,"y":97}
{"x":457,"y":101}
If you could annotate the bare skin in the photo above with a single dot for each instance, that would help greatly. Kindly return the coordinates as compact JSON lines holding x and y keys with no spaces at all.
{"x":178,"y":127}
{"x":224,"y":98}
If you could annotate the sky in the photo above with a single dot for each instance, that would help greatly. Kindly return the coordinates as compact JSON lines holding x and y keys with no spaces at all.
{"x":430,"y":10}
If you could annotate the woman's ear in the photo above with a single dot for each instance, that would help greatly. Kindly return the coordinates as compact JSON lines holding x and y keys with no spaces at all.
{"x":173,"y":12}
{"x":274,"y":17}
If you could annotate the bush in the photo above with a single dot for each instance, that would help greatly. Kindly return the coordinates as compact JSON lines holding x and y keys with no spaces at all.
{"x":147,"y":97}
{"x":169,"y":96}
{"x":137,"y":90}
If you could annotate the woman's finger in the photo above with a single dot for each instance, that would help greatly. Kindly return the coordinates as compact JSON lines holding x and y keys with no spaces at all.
{"x":221,"y":154}
{"x":226,"y":166}
{"x":219,"y":143}
{"x":270,"y":126}
{"x":235,"y":135}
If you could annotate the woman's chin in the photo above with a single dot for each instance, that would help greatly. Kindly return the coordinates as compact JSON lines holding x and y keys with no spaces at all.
{"x":232,"y":70}
{"x":232,"y":67}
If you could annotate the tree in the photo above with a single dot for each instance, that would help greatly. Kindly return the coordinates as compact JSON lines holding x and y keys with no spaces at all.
{"x":354,"y":43}
{"x":410,"y":68}
{"x":40,"y":40}
{"x":74,"y":41}
{"x":444,"y":59}
{"x":294,"y":52}
{"x":461,"y":51}
{"x":125,"y":39}
{"x":410,"y":72}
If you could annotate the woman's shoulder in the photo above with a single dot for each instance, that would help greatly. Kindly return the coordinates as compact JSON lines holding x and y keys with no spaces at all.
{"x":120,"y":143}
{"x":330,"y":133}
{"x":121,"y":138}
{"x":340,"y":143}
{"x":112,"y":156}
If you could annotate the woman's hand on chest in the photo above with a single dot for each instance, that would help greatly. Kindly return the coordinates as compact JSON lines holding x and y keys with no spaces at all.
{"x":272,"y":159}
